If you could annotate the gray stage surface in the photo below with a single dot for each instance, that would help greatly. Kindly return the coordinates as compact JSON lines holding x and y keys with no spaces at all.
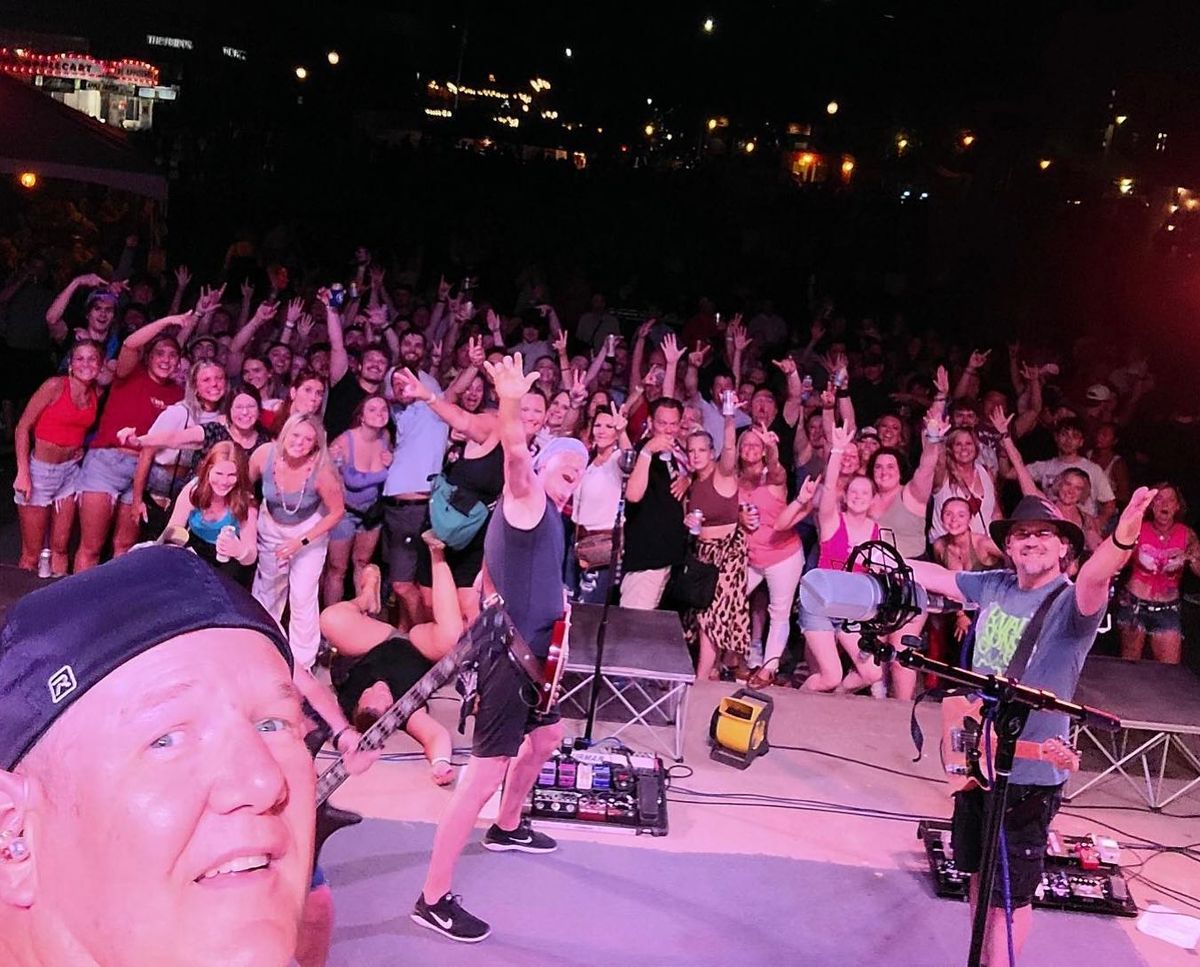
{"x":1145,"y":692}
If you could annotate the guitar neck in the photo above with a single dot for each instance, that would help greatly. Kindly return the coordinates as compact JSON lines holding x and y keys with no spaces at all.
{"x":393,"y":720}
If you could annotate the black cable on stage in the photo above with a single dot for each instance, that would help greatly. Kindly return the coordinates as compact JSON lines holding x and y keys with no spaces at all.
{"x":857,"y":762}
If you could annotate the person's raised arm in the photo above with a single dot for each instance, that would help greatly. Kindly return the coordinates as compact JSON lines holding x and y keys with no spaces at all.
{"x":245,"y":335}
{"x":1107,"y":560}
{"x":139,"y":339}
{"x":935,"y":578}
{"x":941,"y":392}
{"x":468,"y":373}
{"x":209,"y":299}
{"x":727,"y":463}
{"x":183,"y":278}
{"x":639,"y":352}
{"x":1029,"y":411}
{"x":918,"y":490}
{"x":1016,"y":462}
{"x":799,"y":508}
{"x":525,"y":501}
{"x":673,"y":353}
{"x":339,"y":362}
{"x":793,"y":404}
{"x":56,"y":314}
{"x":827,"y":508}
{"x":474,"y":426}
{"x":190,"y":437}
{"x":737,"y":338}
{"x":609,"y":350}
{"x":576,"y":386}
{"x":968,"y":382}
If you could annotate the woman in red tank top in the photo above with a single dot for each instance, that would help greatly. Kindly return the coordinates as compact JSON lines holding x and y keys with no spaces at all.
{"x":1148,"y":604}
{"x":57,"y":417}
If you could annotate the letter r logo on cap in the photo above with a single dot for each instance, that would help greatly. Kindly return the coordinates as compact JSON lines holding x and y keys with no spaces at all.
{"x":62,"y":683}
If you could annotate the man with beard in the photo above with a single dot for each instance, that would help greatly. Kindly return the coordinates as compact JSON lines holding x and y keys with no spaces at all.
{"x":1040,"y":543}
{"x":354,"y":386}
{"x":420,"y":447}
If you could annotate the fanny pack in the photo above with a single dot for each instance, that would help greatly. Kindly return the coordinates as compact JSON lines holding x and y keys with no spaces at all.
{"x":455,"y":514}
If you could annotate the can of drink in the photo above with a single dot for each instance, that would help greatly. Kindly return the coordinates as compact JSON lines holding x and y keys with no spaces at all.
{"x":751,"y":512}
{"x":695,"y":521}
{"x":44,"y":568}
{"x":232,"y":532}
{"x":806,"y":389}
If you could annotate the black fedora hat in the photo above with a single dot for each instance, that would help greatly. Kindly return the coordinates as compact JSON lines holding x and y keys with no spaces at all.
{"x":1033,"y":509}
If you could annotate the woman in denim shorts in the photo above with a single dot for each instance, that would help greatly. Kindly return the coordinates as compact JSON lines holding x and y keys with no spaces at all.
{"x":59,"y":415}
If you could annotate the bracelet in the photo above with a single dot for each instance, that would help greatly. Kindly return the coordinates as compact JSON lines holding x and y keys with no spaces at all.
{"x":338,"y":737}
{"x":304,"y":541}
{"x":939,"y":399}
{"x":1124,"y":547}
{"x":289,"y":325}
{"x":842,"y":394}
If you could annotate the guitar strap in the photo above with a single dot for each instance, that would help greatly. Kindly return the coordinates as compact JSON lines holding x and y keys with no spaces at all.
{"x":1016,"y":665}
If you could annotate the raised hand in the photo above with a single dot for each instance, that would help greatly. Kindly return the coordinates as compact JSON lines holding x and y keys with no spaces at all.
{"x":787,"y":366}
{"x":409,"y":388}
{"x":680,"y":485}
{"x":1130,"y":523}
{"x":91,"y":279}
{"x":577,"y":388}
{"x":768,"y":438}
{"x":671,"y":349}
{"x":619,"y":418}
{"x":265,"y":312}
{"x":1000,"y":420}
{"x":698,"y":355}
{"x":443,"y":289}
{"x":295,"y":309}
{"x":508,"y":376}
{"x":183,"y":275}
{"x":1030,"y":373}
{"x":247,"y":288}
{"x":808,"y":490}
{"x":560,"y":342}
{"x":305,"y":326}
{"x":493,"y":321}
{"x":941,"y":381}
{"x":841,"y":437}
{"x":209,"y":299}
{"x":475,"y":354}
{"x":936,"y":428}
{"x":643,"y":331}
{"x":978,"y":359}
{"x":737,"y":334}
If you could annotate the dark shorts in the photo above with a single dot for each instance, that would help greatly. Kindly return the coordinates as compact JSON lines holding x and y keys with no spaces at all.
{"x":1148,"y":616}
{"x":505,"y":714}
{"x":405,"y":523}
{"x":1026,"y":826}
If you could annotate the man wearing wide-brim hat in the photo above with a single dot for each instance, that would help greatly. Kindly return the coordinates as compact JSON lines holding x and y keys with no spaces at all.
{"x":1039,"y":542}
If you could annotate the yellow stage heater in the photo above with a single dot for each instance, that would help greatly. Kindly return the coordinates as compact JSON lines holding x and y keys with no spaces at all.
{"x":738,"y":730}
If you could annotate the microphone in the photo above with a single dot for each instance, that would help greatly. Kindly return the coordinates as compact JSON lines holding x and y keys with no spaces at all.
{"x":626,"y":461}
{"x":883,"y":599}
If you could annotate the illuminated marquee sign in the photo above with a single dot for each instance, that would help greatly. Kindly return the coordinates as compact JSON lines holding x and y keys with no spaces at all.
{"x":180,"y":43}
{"x":234,"y":52}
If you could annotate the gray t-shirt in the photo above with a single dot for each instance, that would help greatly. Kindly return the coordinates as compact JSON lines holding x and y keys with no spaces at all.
{"x":1058,"y":656}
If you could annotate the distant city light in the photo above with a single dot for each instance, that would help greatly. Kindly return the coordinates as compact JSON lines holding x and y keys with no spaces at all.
{"x":649,"y":101}
{"x":301,"y":73}
{"x":1045,"y":163}
{"x":968,"y":140}
{"x":807,"y":159}
{"x":712,"y":124}
{"x":924,"y":195}
{"x":1125,"y":186}
{"x":28,"y":179}
{"x":901,"y":144}
{"x":831,"y":107}
{"x":1170,"y":228}
{"x":847,"y":168}
{"x":599,"y":130}
{"x":708,"y":25}
{"x":750,"y":147}
{"x":569,"y":52}
{"x":1122,"y":118}
{"x":649,"y":129}
{"x":670,"y":136}
{"x":334,"y":58}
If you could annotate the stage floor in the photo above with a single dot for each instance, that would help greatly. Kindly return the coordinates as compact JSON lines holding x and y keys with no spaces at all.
{"x":742,"y":884}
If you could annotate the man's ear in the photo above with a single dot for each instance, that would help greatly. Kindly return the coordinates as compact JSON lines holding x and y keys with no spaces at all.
{"x":17,"y":861}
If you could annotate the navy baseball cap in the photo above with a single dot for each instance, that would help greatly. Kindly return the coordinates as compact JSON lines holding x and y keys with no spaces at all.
{"x":59,"y":641}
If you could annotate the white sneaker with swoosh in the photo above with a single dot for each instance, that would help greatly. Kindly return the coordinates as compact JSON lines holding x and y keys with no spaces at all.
{"x":448,"y":918}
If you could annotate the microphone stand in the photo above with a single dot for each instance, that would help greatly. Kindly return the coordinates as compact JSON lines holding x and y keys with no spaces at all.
{"x":625,"y":460}
{"x":1013,"y":703}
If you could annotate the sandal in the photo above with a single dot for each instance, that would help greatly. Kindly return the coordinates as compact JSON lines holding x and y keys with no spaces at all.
{"x":443,"y":776}
{"x":761,"y":679}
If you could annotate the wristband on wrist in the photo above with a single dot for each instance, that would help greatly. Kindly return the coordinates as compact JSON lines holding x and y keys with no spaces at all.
{"x":338,"y":737}
{"x":1124,"y":547}
{"x":842,"y":394}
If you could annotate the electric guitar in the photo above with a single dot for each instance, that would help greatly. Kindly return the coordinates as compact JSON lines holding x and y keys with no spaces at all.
{"x":491,"y":624}
{"x":962,"y":733}
{"x":555,"y":663}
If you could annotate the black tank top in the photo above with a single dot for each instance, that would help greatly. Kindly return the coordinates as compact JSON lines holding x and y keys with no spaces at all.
{"x":526,"y":568}
{"x":483,"y":476}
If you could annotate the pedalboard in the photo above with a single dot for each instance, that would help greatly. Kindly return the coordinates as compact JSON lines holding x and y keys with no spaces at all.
{"x":602,"y":788}
{"x":1082,"y":873}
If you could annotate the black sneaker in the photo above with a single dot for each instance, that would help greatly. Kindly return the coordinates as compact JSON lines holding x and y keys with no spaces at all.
{"x":524,"y":838}
{"x":448,"y":918}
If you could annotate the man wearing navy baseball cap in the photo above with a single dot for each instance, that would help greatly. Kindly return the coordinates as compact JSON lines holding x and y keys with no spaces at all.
{"x":156,"y":796}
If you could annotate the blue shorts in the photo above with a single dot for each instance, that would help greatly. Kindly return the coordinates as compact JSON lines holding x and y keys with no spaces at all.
{"x":1148,"y":616}
{"x":351,"y":525}
{"x":49,"y":483}
{"x":108,"y":470}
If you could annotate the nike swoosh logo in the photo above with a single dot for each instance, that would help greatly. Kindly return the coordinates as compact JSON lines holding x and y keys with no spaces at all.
{"x":527,"y":839}
{"x":444,"y":924}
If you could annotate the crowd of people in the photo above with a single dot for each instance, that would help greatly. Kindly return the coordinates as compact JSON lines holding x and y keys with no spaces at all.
{"x":303,"y":437}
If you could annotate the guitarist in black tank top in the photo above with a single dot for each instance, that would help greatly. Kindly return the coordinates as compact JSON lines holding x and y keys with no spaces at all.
{"x":523,"y":558}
